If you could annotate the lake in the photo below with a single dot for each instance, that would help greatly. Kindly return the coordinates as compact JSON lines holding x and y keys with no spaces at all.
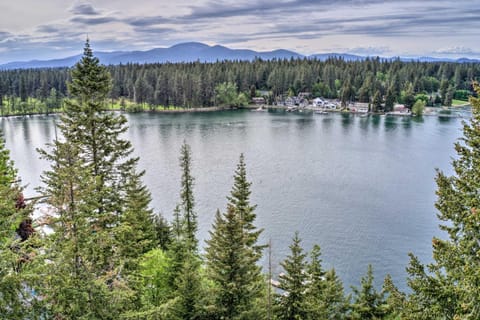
{"x":361,"y":187}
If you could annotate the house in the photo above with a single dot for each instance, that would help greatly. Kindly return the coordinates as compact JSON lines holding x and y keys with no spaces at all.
{"x":400,"y":109}
{"x":330,"y":105}
{"x":258,"y":100}
{"x":318,"y":102}
{"x":290,"y":101}
{"x":304,"y":95}
{"x":362,"y":109}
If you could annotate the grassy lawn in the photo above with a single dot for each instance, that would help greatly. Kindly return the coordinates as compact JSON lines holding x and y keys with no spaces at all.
{"x":459,"y":102}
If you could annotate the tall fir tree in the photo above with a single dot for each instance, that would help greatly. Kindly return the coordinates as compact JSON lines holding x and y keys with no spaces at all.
{"x":137,"y":230}
{"x":290,"y":303}
{"x":71,"y":289}
{"x":448,"y":288}
{"x":184,"y":278}
{"x":231,"y":266}
{"x":333,"y":304}
{"x":187,"y":200}
{"x":17,"y":299}
{"x":98,"y":134}
{"x":324,"y":296}
{"x":188,"y":294}
{"x":368,"y":303}
{"x":94,"y":188}
{"x":240,"y":199}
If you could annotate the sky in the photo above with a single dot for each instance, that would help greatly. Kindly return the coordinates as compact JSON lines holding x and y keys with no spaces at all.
{"x":47,"y":29}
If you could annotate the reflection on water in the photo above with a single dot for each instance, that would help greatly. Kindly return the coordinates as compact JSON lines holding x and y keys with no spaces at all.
{"x":361,"y":187}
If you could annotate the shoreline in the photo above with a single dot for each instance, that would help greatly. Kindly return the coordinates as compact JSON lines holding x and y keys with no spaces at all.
{"x":218,"y":108}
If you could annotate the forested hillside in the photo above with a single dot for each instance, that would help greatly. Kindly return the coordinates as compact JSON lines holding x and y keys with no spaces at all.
{"x":191,"y":85}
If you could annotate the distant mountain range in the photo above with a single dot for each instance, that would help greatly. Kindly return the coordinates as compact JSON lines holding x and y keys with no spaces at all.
{"x":194,"y":51}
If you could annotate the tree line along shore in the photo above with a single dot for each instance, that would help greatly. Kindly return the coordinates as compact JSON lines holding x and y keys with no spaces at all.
{"x":182,"y":86}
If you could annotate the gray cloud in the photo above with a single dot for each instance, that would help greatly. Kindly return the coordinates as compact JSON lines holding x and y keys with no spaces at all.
{"x":47,"y":29}
{"x":154,"y":30}
{"x":93,"y":21}
{"x":289,"y":9}
{"x":84,"y":9}
{"x":147,"y":21}
{"x":5,"y":35}
{"x":216,"y":9}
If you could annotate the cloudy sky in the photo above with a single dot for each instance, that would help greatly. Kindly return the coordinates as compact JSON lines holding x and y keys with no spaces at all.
{"x":33,"y":29}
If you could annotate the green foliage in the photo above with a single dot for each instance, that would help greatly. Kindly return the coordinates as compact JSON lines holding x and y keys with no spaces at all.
{"x":154,"y":269}
{"x":324,"y":297}
{"x":447,"y":288}
{"x":240,"y":199}
{"x":395,"y":299}
{"x":418,"y":107}
{"x":231,"y":264}
{"x":233,"y":252}
{"x":226,"y":95}
{"x":103,"y":224}
{"x":462,"y":95}
{"x":407,"y":97}
{"x":18,"y":259}
{"x":447,"y":101}
{"x":423,"y":97}
{"x":189,"y":290}
{"x":367,"y":302}
{"x":187,"y":202}
{"x":333,"y":304}
{"x":290,"y":303}
{"x":8,"y":173}
{"x":135,"y":234}
{"x":377,"y":102}
{"x":390,"y":100}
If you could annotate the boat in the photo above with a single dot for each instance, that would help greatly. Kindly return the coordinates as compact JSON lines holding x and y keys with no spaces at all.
{"x":260,"y":109}
{"x":321,"y":112}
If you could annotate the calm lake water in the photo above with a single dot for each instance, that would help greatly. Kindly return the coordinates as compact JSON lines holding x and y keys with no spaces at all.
{"x":361,"y":187}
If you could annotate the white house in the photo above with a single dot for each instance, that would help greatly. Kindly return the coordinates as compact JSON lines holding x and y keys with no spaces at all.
{"x":318,"y":102}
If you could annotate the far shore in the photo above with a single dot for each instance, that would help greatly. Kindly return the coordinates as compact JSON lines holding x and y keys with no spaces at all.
{"x":179,"y":110}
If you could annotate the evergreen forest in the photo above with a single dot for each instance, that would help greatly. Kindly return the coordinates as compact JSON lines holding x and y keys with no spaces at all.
{"x":103,"y":253}
{"x":138,"y":87}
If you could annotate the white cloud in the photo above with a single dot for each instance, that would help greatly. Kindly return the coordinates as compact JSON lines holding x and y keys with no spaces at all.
{"x":370,"y":50}
{"x":455,"y":50}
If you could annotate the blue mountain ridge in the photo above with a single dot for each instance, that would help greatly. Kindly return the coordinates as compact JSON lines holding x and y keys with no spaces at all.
{"x":195,"y":51}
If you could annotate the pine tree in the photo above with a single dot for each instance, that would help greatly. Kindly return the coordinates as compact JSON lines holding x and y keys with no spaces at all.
{"x":188,"y":293}
{"x":367,"y":302}
{"x":98,"y":134}
{"x":98,"y":196}
{"x":187,"y":201}
{"x":136,"y":232}
{"x":231,"y":266}
{"x":290,"y":305}
{"x":395,"y":299}
{"x":448,"y":287}
{"x":16,"y":254}
{"x":334,"y":304}
{"x":324,"y":297}
{"x":240,"y":199}
{"x":163,"y":232}
{"x":316,"y":286}
{"x":390,"y":99}
{"x":71,"y":279}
